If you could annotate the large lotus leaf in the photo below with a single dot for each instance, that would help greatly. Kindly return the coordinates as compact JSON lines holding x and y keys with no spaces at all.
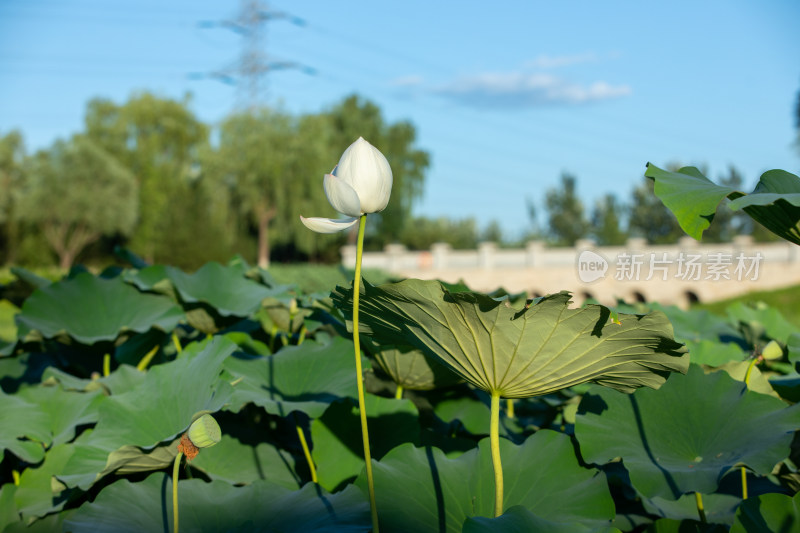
{"x":152,"y":278}
{"x":122,"y":379}
{"x":698,"y":325}
{"x":693,"y":198}
{"x":157,"y":411}
{"x":88,"y":462}
{"x":237,"y":463}
{"x":8,"y":511}
{"x":718,"y":508}
{"x":163,"y":406}
{"x":421,"y":490}
{"x":688,"y":434}
{"x":91,"y":309}
{"x":39,"y":492}
{"x":768,"y":512}
{"x":217,"y":506}
{"x":516,"y":353}
{"x":336,"y":435}
{"x":411,"y":368}
{"x":224,"y":288}
{"x":26,"y":429}
{"x":714,"y":353}
{"x":764,"y":318}
{"x":47,"y":524}
{"x":304,"y":378}
{"x":519,"y":519}
{"x":65,"y":409}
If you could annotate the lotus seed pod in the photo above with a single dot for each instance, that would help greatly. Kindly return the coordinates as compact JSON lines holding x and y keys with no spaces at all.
{"x":204,"y":432}
{"x":772,"y":351}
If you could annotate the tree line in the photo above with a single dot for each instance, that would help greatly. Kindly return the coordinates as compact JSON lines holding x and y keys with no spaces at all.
{"x":149,"y":176}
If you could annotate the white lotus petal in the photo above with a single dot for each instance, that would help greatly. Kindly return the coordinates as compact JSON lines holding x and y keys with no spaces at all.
{"x":342,"y":196}
{"x":328,"y":225}
{"x":366,"y":170}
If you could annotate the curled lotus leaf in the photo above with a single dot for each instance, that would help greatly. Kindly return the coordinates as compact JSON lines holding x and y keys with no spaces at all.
{"x":532,"y":350}
{"x":411,"y":368}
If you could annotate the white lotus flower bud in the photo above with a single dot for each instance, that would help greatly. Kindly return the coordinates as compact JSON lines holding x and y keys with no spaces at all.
{"x":361,"y":183}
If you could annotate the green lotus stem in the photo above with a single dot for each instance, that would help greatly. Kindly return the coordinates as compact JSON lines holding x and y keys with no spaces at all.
{"x":744,"y":483}
{"x":398,"y":393}
{"x":147,"y":358}
{"x":359,"y":376}
{"x":510,"y":408}
{"x":747,"y":384}
{"x":700,"y":510}
{"x":175,"y":473}
{"x":106,"y":364}
{"x":307,"y":453}
{"x":176,"y":342}
{"x":494,"y":443}
{"x":749,"y":371}
{"x":15,"y":477}
{"x":302,"y":335}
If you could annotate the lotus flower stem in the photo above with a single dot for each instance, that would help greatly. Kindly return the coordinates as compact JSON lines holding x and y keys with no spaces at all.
{"x":177,"y":343}
{"x":700,"y":510}
{"x":302,"y":436}
{"x":398,"y":393}
{"x":359,"y":376}
{"x":744,"y":483}
{"x":106,"y":364}
{"x":147,"y":358}
{"x":747,"y":384}
{"x":175,"y":473}
{"x":510,"y":408}
{"x":302,"y":335}
{"x":494,"y":443}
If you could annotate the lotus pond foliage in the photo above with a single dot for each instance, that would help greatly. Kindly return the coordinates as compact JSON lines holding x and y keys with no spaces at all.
{"x":90,"y":434}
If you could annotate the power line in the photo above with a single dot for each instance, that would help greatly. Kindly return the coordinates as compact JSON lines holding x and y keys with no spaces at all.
{"x":249,"y":72}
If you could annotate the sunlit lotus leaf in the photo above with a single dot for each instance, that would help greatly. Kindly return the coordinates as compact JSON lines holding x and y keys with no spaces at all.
{"x":65,"y":410}
{"x":156,"y":412}
{"x":411,"y":368}
{"x":714,"y":353}
{"x":224,"y":288}
{"x":122,"y":379}
{"x":306,"y":378}
{"x":521,"y":352}
{"x":693,"y":198}
{"x":90,"y":309}
{"x":519,"y":519}
{"x":423,"y":491}
{"x":687,"y":435}
{"x":768,"y":512}
{"x":765,"y":318}
{"x":338,"y":448}
{"x":126,"y":507}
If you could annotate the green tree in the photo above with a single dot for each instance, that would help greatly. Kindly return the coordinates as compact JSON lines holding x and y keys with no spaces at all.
{"x":158,"y":139}
{"x":12,"y":158}
{"x":606,"y":226}
{"x":354,"y":118}
{"x":271,"y":166}
{"x":422,"y":232}
{"x":649,"y":218}
{"x":566,"y":218}
{"x":76,"y":193}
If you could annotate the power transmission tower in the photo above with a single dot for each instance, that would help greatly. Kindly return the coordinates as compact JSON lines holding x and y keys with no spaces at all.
{"x":249,"y":72}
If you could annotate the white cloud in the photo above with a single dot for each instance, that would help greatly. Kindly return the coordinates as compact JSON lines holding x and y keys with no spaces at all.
{"x":545,"y":61}
{"x":412,"y":80}
{"x":518,"y":89}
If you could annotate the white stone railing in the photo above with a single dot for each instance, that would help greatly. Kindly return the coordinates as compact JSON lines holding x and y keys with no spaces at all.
{"x":540,"y":269}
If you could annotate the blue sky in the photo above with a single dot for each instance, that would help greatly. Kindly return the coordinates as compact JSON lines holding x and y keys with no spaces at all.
{"x":505,"y":95}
